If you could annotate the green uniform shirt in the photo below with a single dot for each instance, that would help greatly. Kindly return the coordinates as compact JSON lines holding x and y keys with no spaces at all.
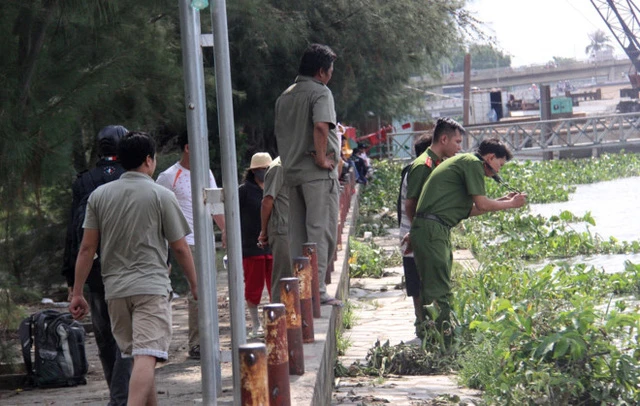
{"x":421,"y":168}
{"x":135,"y":217}
{"x":449,"y":190}
{"x":274,"y":187}
{"x":306,"y":102}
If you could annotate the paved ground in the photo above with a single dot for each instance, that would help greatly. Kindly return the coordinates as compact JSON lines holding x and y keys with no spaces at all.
{"x":178,"y":380}
{"x":383,"y":312}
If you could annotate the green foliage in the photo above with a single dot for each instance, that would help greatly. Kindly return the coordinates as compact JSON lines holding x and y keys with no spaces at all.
{"x":483,"y":56}
{"x":553,"y":181}
{"x":402,"y":359}
{"x":70,"y":68}
{"x":342,"y":342}
{"x":377,"y":204}
{"x":599,"y":41}
{"x":533,"y":334}
{"x":367,"y":260}
{"x":541,"y":337}
{"x":10,"y":317}
{"x":349,"y":317}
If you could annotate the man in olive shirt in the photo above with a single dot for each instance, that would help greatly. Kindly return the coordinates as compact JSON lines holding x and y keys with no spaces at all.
{"x":454,"y":191}
{"x":447,"y":141}
{"x":133,"y":219}
{"x":305,"y":123}
{"x":274,"y":216}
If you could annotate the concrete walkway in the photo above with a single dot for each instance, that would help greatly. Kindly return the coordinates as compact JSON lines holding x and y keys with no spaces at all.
{"x":384,"y":312}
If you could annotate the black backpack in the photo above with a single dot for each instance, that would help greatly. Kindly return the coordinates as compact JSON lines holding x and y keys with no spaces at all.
{"x":399,"y":209}
{"x":88,"y":185}
{"x":58,"y":341}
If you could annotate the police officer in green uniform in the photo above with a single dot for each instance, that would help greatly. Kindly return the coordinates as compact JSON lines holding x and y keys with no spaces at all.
{"x":454,"y":191}
{"x":447,"y":141}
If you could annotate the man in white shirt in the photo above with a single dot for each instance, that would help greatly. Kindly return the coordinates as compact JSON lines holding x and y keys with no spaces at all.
{"x":177,"y":178}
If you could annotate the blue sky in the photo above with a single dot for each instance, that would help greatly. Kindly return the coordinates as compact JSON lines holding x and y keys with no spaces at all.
{"x":534,"y":31}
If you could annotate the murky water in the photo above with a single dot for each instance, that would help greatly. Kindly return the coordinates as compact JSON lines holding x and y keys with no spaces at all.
{"x":614,"y":206}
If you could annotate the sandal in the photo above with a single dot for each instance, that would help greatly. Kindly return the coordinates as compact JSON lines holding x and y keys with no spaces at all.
{"x":332,"y":301}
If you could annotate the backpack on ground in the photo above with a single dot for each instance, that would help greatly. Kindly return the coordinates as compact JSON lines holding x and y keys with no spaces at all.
{"x":58,"y":342}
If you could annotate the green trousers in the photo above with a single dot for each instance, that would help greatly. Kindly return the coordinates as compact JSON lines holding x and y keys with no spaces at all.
{"x":431,"y":243}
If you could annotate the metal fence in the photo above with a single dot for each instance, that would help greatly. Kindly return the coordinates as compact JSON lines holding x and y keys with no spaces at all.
{"x":531,"y":138}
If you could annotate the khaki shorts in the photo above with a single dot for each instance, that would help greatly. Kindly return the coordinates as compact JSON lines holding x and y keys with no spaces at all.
{"x":141,"y":325}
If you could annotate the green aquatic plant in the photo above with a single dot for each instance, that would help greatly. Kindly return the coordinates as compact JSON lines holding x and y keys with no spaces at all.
{"x":368,"y":260}
{"x":530,"y":333}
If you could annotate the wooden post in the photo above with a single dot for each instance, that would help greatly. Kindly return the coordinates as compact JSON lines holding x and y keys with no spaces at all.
{"x":545,"y":114}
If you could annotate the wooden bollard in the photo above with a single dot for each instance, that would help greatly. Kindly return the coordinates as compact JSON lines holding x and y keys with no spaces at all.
{"x":253,"y":375}
{"x":310,"y":250}
{"x":290,"y":296}
{"x":302,"y":269}
{"x":277,"y":354}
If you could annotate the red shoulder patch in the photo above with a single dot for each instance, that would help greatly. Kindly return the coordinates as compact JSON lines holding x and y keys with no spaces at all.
{"x":429,"y":162}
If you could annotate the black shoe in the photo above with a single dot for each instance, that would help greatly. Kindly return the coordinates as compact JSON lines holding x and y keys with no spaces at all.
{"x":194,"y":352}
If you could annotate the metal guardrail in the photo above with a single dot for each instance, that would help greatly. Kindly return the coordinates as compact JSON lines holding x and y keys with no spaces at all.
{"x":536,"y":137}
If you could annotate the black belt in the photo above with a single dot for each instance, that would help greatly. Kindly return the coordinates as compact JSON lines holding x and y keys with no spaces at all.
{"x":432,"y":217}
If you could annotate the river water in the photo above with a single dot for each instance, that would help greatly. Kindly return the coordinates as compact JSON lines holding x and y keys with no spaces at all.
{"x":614,"y":207}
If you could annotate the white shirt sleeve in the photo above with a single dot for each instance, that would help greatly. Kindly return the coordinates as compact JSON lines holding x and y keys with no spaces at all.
{"x":212,"y":180}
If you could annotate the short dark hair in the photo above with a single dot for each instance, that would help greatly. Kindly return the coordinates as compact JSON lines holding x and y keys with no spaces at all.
{"x":134,"y":148}
{"x":422,"y":144}
{"x":316,"y":57}
{"x":183,"y":140}
{"x":446,"y":126}
{"x":494,"y":146}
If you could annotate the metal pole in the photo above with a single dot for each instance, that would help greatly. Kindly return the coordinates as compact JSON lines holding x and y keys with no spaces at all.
{"x":203,"y":226}
{"x":230,"y":182}
{"x":466,"y":95}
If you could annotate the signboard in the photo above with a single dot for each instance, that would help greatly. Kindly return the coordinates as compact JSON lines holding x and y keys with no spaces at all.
{"x":561,"y":105}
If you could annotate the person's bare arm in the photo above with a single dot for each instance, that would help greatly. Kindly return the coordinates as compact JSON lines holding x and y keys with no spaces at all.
{"x":88,"y":248}
{"x":219,"y":220}
{"x":320,"y":141}
{"x":183,"y":254}
{"x":265,"y":214}
{"x":482,"y":204}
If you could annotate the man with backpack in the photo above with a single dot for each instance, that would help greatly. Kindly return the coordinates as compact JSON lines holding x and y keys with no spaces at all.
{"x":132,"y":220}
{"x":117,"y":370}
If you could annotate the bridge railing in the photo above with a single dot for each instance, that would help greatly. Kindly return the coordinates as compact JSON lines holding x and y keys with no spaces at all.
{"x":561,"y":134}
{"x":539,"y":137}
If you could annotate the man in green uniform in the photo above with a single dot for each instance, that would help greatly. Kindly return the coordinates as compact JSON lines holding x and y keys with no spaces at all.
{"x":447,"y":141}
{"x":454,"y":191}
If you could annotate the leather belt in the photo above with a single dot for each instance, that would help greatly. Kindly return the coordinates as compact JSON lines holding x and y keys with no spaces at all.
{"x":432,"y":217}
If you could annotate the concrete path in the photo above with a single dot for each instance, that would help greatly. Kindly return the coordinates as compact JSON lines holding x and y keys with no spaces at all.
{"x":384,"y":312}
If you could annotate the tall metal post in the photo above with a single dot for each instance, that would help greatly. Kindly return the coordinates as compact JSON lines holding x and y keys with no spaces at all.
{"x":205,"y":263}
{"x":230,"y":182}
